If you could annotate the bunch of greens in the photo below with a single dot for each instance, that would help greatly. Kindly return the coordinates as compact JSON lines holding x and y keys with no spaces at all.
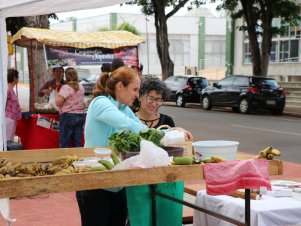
{"x":128,"y":141}
{"x":125,"y":141}
{"x":152,"y":134}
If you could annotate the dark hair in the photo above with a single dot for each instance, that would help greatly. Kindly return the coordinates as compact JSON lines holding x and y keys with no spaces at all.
{"x":149,"y":84}
{"x":56,"y":68}
{"x":11,"y":75}
{"x":105,"y":85}
{"x":117,"y":63}
{"x":106,"y":67}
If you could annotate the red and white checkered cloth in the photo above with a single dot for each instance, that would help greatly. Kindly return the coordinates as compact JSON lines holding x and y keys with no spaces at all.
{"x":225,"y":177}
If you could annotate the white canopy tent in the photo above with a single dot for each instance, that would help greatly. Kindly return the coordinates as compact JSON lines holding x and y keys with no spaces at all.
{"x":19,"y":8}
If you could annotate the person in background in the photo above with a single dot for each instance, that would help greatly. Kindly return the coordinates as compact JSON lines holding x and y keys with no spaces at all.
{"x":55,"y":84}
{"x":152,"y":94}
{"x":108,"y":113}
{"x":70,"y":101}
{"x":106,"y":67}
{"x":12,"y":107}
{"x":117,"y":63}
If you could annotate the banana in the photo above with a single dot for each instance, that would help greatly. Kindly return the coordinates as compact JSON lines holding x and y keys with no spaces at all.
{"x":276,"y":152}
{"x":269,"y":153}
{"x":106,"y":164}
{"x":61,"y":160}
{"x":266,"y":151}
{"x":182,"y":161}
{"x":270,"y":156}
{"x":217,"y":159}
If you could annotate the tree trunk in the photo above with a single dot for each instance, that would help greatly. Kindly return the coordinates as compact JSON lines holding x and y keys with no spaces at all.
{"x":38,"y":73}
{"x":167,"y":64}
{"x":251,"y":21}
{"x":266,"y":44}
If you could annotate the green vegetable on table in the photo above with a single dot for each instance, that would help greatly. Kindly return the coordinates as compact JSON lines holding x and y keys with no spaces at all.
{"x":125,"y":141}
{"x":128,"y":141}
{"x":152,"y":134}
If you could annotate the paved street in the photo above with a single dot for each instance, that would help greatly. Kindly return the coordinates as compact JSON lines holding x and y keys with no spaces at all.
{"x":253,"y":132}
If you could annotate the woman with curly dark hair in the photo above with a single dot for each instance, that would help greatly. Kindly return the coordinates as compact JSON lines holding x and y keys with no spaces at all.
{"x":152,"y":93}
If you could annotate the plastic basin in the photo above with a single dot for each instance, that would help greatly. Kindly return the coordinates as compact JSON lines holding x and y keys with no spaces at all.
{"x":222,"y":148}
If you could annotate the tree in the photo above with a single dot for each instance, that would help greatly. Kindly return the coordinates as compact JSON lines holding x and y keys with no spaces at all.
{"x":158,"y":9}
{"x":258,"y":16}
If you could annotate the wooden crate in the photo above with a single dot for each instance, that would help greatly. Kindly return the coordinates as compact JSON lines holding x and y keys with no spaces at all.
{"x":18,"y":187}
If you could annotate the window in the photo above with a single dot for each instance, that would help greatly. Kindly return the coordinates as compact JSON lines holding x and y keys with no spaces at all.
{"x":285,"y":47}
{"x":226,"y":81}
{"x":241,"y":81}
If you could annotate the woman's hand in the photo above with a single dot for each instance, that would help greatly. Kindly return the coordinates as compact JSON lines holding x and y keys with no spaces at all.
{"x":188,"y":135}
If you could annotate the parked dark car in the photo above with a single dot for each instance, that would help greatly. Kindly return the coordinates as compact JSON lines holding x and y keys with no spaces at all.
{"x":185,"y":88}
{"x":89,"y":82}
{"x":245,"y":94}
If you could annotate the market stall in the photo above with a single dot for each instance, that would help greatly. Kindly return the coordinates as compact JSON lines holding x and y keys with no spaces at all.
{"x":64,"y":49}
{"x":36,"y":185}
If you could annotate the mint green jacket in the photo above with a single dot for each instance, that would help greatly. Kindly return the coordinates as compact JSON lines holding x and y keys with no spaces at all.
{"x":106,"y":116}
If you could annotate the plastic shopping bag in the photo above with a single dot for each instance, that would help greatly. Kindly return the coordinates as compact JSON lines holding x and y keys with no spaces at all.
{"x":52,"y":98}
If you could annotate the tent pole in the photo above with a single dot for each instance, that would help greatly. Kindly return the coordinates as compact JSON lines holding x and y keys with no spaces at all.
{"x":3,"y":82}
{"x":31,"y":79}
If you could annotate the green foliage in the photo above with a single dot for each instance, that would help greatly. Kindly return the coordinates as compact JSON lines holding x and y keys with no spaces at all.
{"x":123,"y":27}
{"x":128,"y":141}
{"x":152,"y":134}
{"x":125,"y":141}
{"x":128,"y":27}
{"x":14,"y":24}
{"x":258,"y":12}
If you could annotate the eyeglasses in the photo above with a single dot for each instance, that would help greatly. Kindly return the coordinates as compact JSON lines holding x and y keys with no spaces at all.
{"x":150,"y":100}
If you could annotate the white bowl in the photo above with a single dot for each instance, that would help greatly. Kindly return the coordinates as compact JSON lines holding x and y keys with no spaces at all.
{"x":222,"y":148}
{"x":102,"y":152}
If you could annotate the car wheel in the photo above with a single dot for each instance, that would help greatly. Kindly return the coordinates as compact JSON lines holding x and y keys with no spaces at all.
{"x":180,"y":101}
{"x":277,"y":111}
{"x":206,"y":105}
{"x":244,"y":106}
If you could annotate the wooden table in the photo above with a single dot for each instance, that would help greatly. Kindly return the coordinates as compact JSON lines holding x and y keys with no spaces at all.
{"x":28,"y":186}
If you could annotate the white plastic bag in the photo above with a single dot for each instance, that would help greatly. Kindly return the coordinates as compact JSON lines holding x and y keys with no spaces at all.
{"x":150,"y":156}
{"x":173,"y":137}
{"x":52,"y":98}
{"x":5,"y":210}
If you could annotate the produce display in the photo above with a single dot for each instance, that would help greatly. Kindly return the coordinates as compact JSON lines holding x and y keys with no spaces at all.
{"x":193,"y":160}
{"x":269,"y":153}
{"x":128,"y":141}
{"x":60,"y":166}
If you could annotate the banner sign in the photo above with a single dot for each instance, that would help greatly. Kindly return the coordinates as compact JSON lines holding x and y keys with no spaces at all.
{"x":71,"y":57}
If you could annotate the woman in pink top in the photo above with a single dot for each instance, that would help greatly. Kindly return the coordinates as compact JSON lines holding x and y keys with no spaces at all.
{"x":12,"y":107}
{"x":71,"y":103}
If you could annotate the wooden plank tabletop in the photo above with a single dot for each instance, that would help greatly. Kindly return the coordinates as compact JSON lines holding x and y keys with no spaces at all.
{"x":18,"y":187}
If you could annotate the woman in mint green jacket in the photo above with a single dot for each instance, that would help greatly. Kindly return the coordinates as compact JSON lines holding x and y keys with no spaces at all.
{"x":108,"y":112}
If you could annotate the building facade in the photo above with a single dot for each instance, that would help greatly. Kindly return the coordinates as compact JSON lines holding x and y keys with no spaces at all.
{"x":285,"y":57}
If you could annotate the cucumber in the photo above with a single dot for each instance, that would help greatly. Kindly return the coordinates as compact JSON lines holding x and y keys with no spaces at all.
{"x":182,"y":161}
{"x":106,"y":164}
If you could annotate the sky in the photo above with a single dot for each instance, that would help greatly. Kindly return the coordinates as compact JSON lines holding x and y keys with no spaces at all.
{"x":117,"y":9}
